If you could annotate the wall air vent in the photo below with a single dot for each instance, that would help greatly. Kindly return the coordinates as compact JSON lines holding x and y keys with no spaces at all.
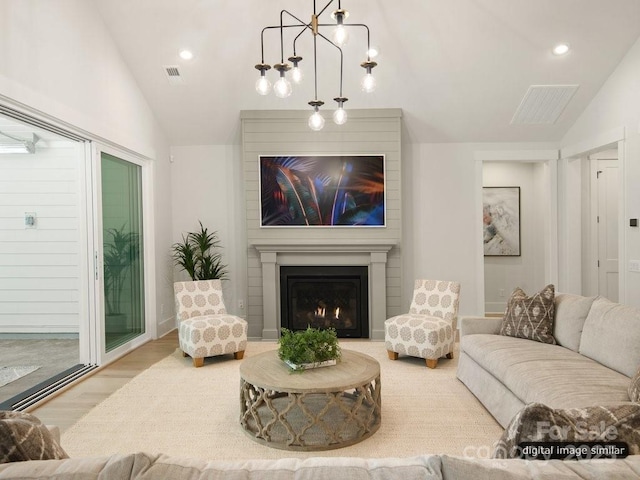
{"x":543,"y":104}
{"x":173,"y":75}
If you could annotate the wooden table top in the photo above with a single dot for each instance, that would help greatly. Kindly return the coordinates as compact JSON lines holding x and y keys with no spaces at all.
{"x":267,"y":371}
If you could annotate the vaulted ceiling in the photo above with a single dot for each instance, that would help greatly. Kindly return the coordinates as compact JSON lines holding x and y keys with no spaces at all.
{"x":459,"y":69}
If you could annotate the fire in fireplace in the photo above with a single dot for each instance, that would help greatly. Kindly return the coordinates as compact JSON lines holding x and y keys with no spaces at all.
{"x":324,"y":297}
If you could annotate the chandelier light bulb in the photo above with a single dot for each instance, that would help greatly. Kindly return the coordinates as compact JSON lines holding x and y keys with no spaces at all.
{"x":368,"y":83}
{"x":297,"y":75}
{"x":340,"y":36}
{"x":263,"y":85}
{"x":340,"y":116}
{"x":316,"y":121}
{"x":282,"y":87}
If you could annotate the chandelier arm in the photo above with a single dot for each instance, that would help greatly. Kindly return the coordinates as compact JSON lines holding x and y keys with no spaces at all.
{"x":282,"y":26}
{"x":353,"y":25}
{"x":272,"y":27}
{"x":298,"y":36}
{"x":325,"y":7}
{"x":302,"y":24}
{"x":341,"y":58}
{"x":315,"y":64}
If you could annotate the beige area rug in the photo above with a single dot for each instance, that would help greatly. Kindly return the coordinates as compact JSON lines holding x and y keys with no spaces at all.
{"x":179,"y":410}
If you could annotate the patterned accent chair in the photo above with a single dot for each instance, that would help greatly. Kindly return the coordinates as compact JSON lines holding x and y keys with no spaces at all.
{"x":206,"y":329}
{"x":429,"y":329}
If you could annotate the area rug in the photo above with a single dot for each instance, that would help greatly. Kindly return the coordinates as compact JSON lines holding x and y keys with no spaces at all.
{"x":179,"y":410}
{"x":11,"y":374}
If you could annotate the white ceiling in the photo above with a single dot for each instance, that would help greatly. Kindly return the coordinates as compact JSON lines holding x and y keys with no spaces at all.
{"x":457,"y":68}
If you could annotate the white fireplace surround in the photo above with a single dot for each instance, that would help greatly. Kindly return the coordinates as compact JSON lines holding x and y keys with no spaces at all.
{"x":372,"y":254}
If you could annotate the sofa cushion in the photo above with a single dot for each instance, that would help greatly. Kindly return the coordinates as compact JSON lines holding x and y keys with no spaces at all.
{"x":537,"y":422}
{"x":611,"y":336}
{"x":634,"y":388}
{"x":116,"y":466}
{"x":549,"y":374}
{"x":460,"y":468}
{"x":24,"y":437}
{"x":425,"y":467}
{"x":570,"y":314}
{"x":530,"y":317}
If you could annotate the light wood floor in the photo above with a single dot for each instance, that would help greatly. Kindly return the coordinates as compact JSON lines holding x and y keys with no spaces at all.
{"x":67,"y":407}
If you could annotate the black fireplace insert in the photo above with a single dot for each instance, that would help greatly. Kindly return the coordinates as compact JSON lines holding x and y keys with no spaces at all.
{"x":324,"y":297}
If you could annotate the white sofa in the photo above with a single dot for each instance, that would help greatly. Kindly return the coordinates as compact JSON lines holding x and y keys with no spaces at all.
{"x":598,"y":351}
{"x":141,"y":466}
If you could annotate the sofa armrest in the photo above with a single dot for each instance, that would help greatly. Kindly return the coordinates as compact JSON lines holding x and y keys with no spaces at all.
{"x":474,"y":325}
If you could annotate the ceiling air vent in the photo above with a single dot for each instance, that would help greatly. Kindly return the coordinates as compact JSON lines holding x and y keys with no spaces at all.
{"x":173,"y":75}
{"x":543,"y":104}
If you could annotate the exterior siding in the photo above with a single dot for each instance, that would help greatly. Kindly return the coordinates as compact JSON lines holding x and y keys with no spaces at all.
{"x":40,"y":268}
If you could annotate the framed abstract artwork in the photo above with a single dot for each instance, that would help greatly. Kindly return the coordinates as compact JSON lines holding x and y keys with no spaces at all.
{"x":322,"y":191}
{"x":501,"y":221}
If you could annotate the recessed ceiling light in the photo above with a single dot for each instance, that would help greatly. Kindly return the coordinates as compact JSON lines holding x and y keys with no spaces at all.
{"x":561,"y":49}
{"x":186,"y":54}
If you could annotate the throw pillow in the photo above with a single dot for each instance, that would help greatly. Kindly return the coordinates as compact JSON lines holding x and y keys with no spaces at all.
{"x":530,"y":317}
{"x":634,"y":388}
{"x":539,"y":423}
{"x":24,"y":437}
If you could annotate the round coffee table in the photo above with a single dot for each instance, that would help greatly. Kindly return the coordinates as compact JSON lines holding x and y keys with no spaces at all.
{"x":318,"y":409}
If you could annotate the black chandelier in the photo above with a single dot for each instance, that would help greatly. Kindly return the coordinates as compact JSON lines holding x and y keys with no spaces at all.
{"x":339,"y":37}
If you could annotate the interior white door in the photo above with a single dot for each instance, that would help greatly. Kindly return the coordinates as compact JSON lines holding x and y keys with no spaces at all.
{"x":607,"y":218}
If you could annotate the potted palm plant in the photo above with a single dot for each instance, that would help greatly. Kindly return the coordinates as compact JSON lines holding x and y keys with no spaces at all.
{"x":121,"y":251}
{"x":310,"y":348}
{"x":197,"y":255}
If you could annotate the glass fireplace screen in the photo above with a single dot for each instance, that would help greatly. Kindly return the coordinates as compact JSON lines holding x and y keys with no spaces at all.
{"x":323,"y":297}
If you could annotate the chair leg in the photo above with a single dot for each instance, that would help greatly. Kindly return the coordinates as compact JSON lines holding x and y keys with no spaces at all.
{"x":450,"y":355}
{"x":392,"y":355}
{"x":432,"y":362}
{"x":239,"y":355}
{"x":198,"y":362}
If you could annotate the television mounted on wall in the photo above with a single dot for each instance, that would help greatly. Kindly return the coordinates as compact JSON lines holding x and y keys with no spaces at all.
{"x":322,"y":191}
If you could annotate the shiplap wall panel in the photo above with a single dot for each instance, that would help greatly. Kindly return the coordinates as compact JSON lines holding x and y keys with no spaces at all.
{"x":286,"y":133}
{"x":40,"y":267}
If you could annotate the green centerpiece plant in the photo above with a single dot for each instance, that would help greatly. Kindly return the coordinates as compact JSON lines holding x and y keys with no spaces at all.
{"x":310,"y":348}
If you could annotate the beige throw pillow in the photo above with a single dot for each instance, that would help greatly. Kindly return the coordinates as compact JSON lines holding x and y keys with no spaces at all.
{"x":530,"y":317}
{"x":634,"y":388}
{"x":24,"y":437}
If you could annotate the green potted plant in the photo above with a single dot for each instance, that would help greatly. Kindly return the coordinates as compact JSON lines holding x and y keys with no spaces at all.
{"x":310,"y":348}
{"x":197,"y":256}
{"x":121,"y":251}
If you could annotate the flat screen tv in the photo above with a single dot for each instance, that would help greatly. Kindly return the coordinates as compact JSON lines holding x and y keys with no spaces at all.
{"x":322,"y":191}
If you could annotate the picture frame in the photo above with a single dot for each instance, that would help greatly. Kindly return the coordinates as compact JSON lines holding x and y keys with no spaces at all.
{"x":501,"y":221}
{"x":322,"y":191}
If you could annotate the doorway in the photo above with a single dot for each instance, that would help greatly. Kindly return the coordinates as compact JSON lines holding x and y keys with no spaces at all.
{"x":121,"y":281}
{"x":524,"y":268}
{"x":43,"y":269}
{"x":604,"y":224}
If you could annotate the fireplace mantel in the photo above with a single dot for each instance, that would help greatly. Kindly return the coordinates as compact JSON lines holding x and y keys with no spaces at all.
{"x":372,"y":253}
{"x":341,"y":246}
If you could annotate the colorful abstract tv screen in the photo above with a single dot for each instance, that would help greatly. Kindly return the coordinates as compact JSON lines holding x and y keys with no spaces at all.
{"x":322,"y":191}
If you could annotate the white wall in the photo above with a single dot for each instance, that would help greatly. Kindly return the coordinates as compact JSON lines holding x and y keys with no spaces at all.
{"x":615,"y":106}
{"x":57,"y":59}
{"x":503,"y":274}
{"x":440,"y":238}
{"x":206,"y":186}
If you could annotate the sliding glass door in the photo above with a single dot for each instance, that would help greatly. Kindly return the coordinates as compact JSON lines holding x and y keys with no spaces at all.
{"x":122,"y":284}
